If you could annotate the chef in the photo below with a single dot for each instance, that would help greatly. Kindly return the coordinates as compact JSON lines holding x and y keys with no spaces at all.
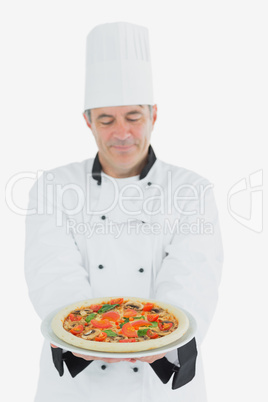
{"x":123,"y":223}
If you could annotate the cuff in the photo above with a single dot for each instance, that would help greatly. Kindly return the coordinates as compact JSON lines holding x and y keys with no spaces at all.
{"x":163,"y":369}
{"x":184,"y":373}
{"x":74,"y":364}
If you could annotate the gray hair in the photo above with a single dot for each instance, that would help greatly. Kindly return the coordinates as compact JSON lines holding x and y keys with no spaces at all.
{"x":88,"y":113}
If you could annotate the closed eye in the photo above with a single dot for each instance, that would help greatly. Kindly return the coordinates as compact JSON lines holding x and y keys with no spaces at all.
{"x":106,"y":123}
{"x":132,"y":119}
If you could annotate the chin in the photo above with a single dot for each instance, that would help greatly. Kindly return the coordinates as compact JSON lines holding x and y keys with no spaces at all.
{"x":125,"y":161}
{"x":130,"y":155}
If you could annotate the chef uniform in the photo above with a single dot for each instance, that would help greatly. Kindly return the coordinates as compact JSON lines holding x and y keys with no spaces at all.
{"x":155,"y":235}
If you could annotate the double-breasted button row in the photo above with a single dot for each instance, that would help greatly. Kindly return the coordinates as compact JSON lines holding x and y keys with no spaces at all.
{"x":135,"y":369}
{"x":101,"y":267}
{"x":148,"y":184}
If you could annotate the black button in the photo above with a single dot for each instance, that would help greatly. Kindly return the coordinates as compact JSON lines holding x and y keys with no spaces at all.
{"x":103,"y":367}
{"x":141,"y":270}
{"x":100,"y":266}
{"x":149,"y":183}
{"x":103,"y":217}
{"x":135,"y":369}
{"x":176,"y":368}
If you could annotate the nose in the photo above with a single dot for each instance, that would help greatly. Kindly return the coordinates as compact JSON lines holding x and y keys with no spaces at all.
{"x":122,"y":130}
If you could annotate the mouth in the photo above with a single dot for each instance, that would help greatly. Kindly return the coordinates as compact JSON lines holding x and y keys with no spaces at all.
{"x":123,"y":148}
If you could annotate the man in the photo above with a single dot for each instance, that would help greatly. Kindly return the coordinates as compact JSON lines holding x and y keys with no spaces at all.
{"x":122,"y":224}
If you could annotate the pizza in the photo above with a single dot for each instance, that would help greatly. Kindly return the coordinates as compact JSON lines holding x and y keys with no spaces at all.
{"x":120,"y":324}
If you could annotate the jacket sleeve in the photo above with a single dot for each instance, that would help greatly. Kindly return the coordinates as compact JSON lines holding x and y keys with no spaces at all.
{"x":54,"y":270}
{"x":74,"y":364}
{"x":190,"y":273}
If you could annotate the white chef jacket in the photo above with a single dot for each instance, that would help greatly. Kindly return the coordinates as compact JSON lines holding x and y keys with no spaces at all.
{"x":155,"y":236}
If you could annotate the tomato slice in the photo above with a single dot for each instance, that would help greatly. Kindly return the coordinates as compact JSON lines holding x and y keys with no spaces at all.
{"x":116,"y":301}
{"x":152,"y":317}
{"x":95,"y":307}
{"x":129,"y":330}
{"x":127,"y":340}
{"x":151,"y":334}
{"x":148,"y":307}
{"x":74,"y":317}
{"x":101,"y":323}
{"x":101,"y":337}
{"x":130,"y":313}
{"x":111,"y":315}
{"x":165,"y":326}
{"x":139,"y":323}
{"x":77,"y":329}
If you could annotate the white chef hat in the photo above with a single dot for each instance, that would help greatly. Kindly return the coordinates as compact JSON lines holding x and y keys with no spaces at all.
{"x":118,"y":66}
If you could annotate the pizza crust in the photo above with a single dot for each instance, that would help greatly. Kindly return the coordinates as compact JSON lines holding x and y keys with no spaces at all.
{"x":57,"y":327}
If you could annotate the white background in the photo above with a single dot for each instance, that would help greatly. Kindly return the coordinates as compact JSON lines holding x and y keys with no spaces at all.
{"x":210,"y":68}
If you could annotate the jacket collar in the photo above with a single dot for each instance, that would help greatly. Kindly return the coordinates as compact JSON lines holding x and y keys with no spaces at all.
{"x":97,"y":168}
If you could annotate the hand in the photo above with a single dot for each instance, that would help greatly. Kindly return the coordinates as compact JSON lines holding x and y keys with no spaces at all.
{"x":151,"y":359}
{"x":148,"y":359}
{"x":108,"y":360}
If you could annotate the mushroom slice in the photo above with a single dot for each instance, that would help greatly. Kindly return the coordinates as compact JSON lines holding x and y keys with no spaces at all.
{"x":163,"y":333}
{"x":118,"y":337}
{"x":73,"y":324}
{"x":156,"y":310}
{"x":91,"y":334}
{"x":67,"y":325}
{"x":157,"y":331}
{"x":134,"y":305}
{"x":145,"y":338}
{"x":85,"y":312}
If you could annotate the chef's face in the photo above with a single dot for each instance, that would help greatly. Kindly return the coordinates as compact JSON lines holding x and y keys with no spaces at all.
{"x":122,"y":134}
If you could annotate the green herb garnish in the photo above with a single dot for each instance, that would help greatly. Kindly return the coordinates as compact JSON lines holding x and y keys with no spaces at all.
{"x":109,"y":332}
{"x":142,"y":332}
{"x":107,"y":307}
{"x":90,"y":317}
{"x":126,"y":319}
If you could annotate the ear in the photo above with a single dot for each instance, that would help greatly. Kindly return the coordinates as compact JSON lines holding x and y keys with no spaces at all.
{"x":85,"y":117}
{"x":154,"y":114}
